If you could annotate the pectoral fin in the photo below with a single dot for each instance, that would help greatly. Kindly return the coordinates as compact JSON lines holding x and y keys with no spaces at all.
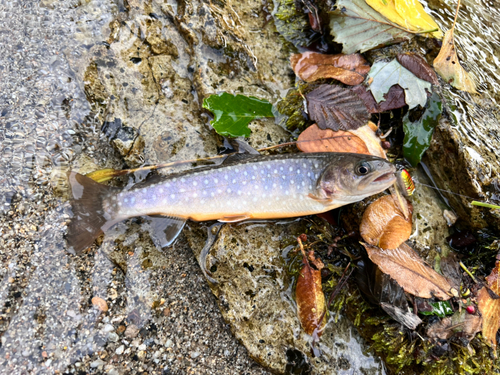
{"x":165,"y":229}
{"x":322,"y":200}
{"x":234,"y":219}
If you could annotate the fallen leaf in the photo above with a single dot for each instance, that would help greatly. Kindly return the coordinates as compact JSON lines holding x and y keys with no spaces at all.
{"x":367,"y":134}
{"x":409,"y":14}
{"x":310,"y":299}
{"x":233,"y":113}
{"x":348,"y":69}
{"x":440,"y":308}
{"x":407,"y":318}
{"x":103,"y":175}
{"x":418,"y":133}
{"x":387,"y":74}
{"x":461,"y":322}
{"x":448,"y":67}
{"x":410,"y":271}
{"x":384,"y":225}
{"x":336,"y":108}
{"x":490,"y":307}
{"x":360,"y":28}
{"x":418,"y":66}
{"x":393,"y":99}
{"x":314,"y":139}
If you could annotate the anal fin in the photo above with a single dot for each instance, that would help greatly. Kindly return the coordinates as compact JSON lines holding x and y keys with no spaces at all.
{"x":165,"y":229}
{"x":322,"y":200}
{"x":234,"y":219}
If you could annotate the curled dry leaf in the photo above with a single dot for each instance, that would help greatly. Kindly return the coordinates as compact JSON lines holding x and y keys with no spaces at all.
{"x":448,"y":67}
{"x":418,"y":66}
{"x":310,"y":299}
{"x":461,"y":322}
{"x":410,"y":271}
{"x":367,"y":134}
{"x":336,"y":108}
{"x":384,"y":225}
{"x":314,"y":139}
{"x":489,"y":306}
{"x":348,"y":69}
{"x":393,"y":99}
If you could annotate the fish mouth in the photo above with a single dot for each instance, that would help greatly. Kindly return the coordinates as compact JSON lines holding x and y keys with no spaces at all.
{"x":386,"y":177}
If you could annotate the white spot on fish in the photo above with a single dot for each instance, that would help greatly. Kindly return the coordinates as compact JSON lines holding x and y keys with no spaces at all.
{"x":245,"y":173}
{"x":290,"y":169}
{"x":216,"y":180}
{"x":126,"y":200}
{"x":132,"y":200}
{"x":268,"y":175}
{"x":204,"y":192}
{"x":253,"y":177}
{"x":206,"y":182}
{"x":175,"y":179}
{"x":144,"y":200}
{"x":310,"y":187}
{"x":298,"y":171}
{"x":228,"y":190}
{"x":283,"y":177}
{"x":226,"y":177}
{"x":303,"y":183}
{"x":244,"y":182}
{"x":172,"y":196}
{"x":183,"y":179}
{"x":254,"y":199}
{"x":287,"y":192}
{"x":161,"y":190}
{"x":281,"y":168}
{"x":195,"y":183}
{"x":237,"y":170}
{"x":164,"y":201}
{"x":202,"y":201}
{"x":291,"y":181}
{"x":182,"y":190}
{"x":255,"y":167}
{"x":219,"y":191}
{"x":239,"y":192}
{"x":274,"y":185}
{"x":212,"y":194}
{"x":308,"y":174}
{"x":315,"y":165}
{"x":234,"y":181}
{"x":195,"y":195}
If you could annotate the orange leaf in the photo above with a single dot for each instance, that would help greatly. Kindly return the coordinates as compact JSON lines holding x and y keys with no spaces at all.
{"x":410,"y":271}
{"x":384,"y":225}
{"x":490,"y":307}
{"x":448,"y":67}
{"x":310,"y":300}
{"x":314,"y":139}
{"x":348,"y":69}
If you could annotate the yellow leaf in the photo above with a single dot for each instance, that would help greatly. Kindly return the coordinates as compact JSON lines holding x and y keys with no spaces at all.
{"x":408,"y":14}
{"x":449,"y":68}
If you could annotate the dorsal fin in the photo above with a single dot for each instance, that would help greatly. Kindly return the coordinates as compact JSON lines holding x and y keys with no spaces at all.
{"x":241,"y":147}
{"x":235,"y":158}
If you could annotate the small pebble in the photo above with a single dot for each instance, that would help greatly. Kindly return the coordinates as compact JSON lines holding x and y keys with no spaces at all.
{"x":132,"y":331}
{"x":120,"y":350}
{"x":97,"y":363}
{"x":109,"y":328}
{"x":142,"y":347}
{"x":100,"y":304}
{"x":113,"y":337}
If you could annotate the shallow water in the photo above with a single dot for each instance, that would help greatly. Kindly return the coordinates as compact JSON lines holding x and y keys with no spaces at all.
{"x":50,"y":52}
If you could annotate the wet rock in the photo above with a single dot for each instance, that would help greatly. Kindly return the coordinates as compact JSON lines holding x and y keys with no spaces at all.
{"x":254,"y":295}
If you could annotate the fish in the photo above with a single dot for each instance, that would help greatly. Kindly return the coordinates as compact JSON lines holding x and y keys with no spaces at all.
{"x":243,"y":187}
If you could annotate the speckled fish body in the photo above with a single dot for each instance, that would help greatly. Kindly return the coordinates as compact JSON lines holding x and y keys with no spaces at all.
{"x":251,"y":187}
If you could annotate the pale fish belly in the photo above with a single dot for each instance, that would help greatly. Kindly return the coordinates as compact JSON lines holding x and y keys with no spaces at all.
{"x":263,"y":189}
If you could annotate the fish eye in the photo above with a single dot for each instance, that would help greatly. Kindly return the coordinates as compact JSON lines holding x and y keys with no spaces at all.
{"x":363,"y":168}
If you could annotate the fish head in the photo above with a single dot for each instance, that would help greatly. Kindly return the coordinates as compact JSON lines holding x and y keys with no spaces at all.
{"x":352,"y":177}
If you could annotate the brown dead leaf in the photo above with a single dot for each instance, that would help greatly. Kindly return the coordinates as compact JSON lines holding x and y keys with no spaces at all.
{"x":348,"y":69}
{"x":314,"y":139}
{"x":384,"y":225}
{"x":410,"y":271}
{"x":367,"y":134}
{"x":460,"y":322}
{"x":310,"y":299}
{"x":448,"y":67}
{"x":395,"y":98}
{"x":336,"y":108}
{"x":418,"y":66}
{"x":490,"y":307}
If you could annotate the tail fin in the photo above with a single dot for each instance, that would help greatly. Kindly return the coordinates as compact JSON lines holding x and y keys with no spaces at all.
{"x":88,"y":213}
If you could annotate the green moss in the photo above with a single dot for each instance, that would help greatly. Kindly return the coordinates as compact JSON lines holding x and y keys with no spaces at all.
{"x":292,"y":23}
{"x":293,"y":107}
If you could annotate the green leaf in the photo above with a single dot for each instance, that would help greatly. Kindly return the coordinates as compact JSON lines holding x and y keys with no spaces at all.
{"x":385,"y":75}
{"x":232,"y":114}
{"x":360,"y":28}
{"x":441,"y":309}
{"x":418,"y":134}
